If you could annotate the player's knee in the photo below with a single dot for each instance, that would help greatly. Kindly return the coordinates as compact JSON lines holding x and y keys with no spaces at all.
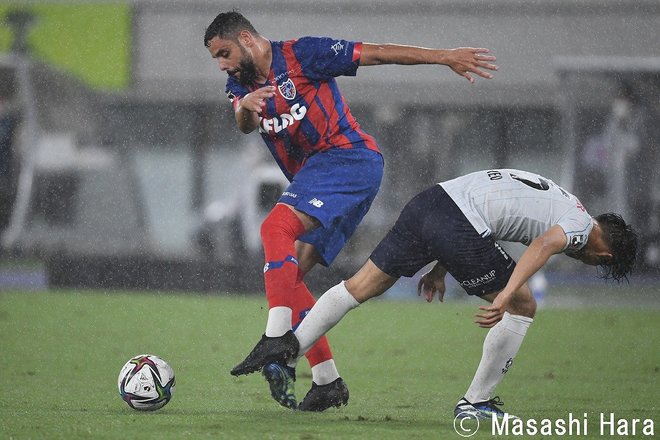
{"x":267,"y":226}
{"x":281,"y":222}
{"x":273,"y":224}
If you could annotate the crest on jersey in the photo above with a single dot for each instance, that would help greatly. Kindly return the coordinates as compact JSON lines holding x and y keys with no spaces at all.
{"x":577,"y":241}
{"x":287,"y":89}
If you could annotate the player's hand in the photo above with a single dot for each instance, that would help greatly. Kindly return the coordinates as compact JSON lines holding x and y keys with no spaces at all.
{"x":492,"y":313}
{"x":256,"y":101}
{"x":470,"y":60}
{"x":429,"y":284}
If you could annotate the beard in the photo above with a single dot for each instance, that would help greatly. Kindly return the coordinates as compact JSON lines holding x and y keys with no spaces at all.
{"x":247,"y":69}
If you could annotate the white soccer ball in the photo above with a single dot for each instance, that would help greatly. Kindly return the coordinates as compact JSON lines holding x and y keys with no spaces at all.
{"x":146,"y":382}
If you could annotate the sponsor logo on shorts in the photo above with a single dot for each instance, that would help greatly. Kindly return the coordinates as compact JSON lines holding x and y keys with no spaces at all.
{"x":316,"y":202}
{"x":290,"y":194}
{"x":479,"y":281}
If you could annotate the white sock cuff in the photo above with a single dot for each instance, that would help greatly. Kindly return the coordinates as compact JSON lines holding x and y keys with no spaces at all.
{"x":516,"y":323}
{"x":279,"y":321}
{"x":345,"y":296}
{"x":325,"y":372}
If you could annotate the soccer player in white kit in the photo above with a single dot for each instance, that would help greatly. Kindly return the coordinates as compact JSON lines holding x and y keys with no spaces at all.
{"x":458,"y":224}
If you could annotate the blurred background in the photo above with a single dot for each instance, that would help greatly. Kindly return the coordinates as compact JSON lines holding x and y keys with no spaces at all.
{"x":121,"y":166}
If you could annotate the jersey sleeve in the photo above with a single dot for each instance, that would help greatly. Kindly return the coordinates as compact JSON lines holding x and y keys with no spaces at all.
{"x":324,"y":57}
{"x":234,"y":91}
{"x":577,"y":228}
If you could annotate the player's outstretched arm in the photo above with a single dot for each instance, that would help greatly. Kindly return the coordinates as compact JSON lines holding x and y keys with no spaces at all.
{"x":465,"y":61}
{"x":553,"y":241}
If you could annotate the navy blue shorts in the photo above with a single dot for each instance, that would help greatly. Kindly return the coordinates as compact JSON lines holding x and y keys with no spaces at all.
{"x":336,"y":187}
{"x":432,"y":227}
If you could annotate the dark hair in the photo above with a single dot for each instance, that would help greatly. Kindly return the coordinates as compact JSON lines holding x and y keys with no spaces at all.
{"x":227,"y":25}
{"x":622,"y":241}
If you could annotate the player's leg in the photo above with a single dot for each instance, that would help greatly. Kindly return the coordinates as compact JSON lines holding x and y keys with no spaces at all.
{"x":336,"y":188}
{"x":483,"y":268}
{"x":500,"y":348}
{"x":402,"y":252}
{"x":281,"y":376}
{"x":398,"y":254}
{"x":335,"y":303}
{"x":328,"y":311}
{"x":319,"y":356}
{"x":279,"y":232}
{"x":341,"y":202}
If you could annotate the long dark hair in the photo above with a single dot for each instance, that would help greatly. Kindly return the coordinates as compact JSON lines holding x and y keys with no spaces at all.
{"x":622,"y":241}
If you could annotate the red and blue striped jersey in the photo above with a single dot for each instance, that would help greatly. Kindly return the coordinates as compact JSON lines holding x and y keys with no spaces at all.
{"x":307,"y":114}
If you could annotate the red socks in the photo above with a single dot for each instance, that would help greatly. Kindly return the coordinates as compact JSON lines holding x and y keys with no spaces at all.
{"x":279,"y":233}
{"x":283,"y":282}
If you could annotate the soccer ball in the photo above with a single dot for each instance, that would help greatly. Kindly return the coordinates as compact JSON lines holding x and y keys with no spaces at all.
{"x":146,"y":382}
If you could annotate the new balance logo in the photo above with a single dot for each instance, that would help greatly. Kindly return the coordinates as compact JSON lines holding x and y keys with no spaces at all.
{"x":316,"y":202}
{"x":270,"y":265}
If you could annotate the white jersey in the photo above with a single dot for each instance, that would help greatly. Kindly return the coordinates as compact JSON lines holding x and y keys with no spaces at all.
{"x":518,"y":206}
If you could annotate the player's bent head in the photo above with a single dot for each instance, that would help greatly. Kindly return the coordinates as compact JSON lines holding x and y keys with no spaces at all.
{"x":227,"y":26}
{"x":622,"y":242}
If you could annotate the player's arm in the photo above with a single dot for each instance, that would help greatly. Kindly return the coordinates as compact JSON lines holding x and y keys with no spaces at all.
{"x":552,"y":242}
{"x":462,"y":60}
{"x":248,"y":108}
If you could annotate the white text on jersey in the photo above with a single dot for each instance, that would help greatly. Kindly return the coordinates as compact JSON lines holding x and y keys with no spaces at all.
{"x":279,"y":123}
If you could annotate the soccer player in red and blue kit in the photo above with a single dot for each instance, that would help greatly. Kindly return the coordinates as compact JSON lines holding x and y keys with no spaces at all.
{"x":287,"y":91}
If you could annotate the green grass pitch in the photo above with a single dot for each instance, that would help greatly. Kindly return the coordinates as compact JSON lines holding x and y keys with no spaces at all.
{"x":406,"y":364}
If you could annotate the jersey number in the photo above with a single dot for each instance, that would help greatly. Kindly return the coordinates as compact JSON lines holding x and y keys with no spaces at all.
{"x":542,"y":185}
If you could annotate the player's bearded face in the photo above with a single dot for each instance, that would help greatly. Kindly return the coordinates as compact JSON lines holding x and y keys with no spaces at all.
{"x":246,"y":68}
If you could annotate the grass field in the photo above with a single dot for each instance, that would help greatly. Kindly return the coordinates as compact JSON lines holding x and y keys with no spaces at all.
{"x":406,"y":364}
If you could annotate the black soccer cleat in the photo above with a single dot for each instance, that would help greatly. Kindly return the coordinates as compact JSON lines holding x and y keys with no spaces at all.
{"x":268,"y":350}
{"x":321,"y":397}
{"x":481,"y":410}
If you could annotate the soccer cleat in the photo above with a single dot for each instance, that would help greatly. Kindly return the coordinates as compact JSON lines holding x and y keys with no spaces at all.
{"x":322,"y":397}
{"x":481,"y":410}
{"x":281,"y":379}
{"x":268,"y":350}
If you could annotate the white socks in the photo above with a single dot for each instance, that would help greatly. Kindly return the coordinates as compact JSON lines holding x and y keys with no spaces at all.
{"x":279,"y":321}
{"x":325,"y":372}
{"x":326,"y":313}
{"x":500,"y":348}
